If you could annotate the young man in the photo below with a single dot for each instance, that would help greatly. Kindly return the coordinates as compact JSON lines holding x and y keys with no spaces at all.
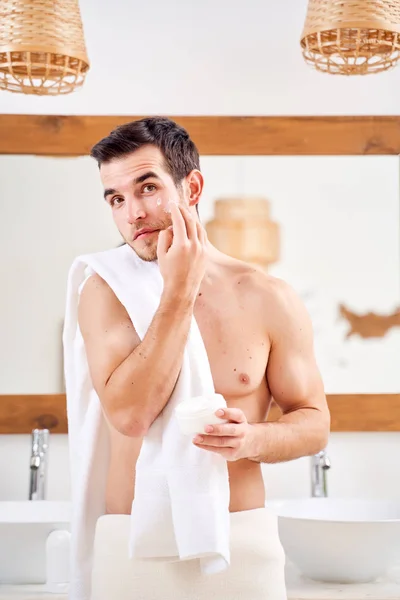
{"x":256,"y":332}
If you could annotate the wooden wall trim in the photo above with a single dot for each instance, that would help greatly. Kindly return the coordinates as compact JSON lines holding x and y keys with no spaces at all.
{"x":20,"y":413}
{"x":57,"y":135}
{"x":349,"y":412}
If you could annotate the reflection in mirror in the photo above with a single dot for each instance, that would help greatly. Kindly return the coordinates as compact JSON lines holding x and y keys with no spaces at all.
{"x":332,"y":230}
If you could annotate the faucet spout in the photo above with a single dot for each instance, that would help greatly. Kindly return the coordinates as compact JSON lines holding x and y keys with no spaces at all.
{"x":38,"y":464}
{"x":320,"y":464}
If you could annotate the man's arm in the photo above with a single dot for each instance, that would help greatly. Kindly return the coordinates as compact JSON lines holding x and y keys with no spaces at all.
{"x":134,"y":379}
{"x":295,"y":383}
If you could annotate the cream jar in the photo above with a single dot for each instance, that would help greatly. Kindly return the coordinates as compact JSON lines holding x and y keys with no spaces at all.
{"x":194,"y":414}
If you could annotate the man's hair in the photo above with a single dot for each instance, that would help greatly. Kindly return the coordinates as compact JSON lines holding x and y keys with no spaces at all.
{"x":179,"y":151}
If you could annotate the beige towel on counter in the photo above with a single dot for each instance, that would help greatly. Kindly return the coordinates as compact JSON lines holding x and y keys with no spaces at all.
{"x":256,"y":572}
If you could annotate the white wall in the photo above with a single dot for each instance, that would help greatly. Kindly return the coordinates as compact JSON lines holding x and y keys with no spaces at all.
{"x":339,"y":218}
{"x":215,"y":57}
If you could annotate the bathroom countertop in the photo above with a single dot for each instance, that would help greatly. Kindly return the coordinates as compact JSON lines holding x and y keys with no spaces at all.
{"x":28,"y":592}
{"x":385,"y":588}
{"x":299,"y":588}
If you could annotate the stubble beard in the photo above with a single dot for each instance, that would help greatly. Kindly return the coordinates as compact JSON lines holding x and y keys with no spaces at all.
{"x":147,"y":249}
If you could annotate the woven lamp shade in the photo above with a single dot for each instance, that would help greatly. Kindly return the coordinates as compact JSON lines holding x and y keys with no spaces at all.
{"x":42,"y":47}
{"x":352,"y":37}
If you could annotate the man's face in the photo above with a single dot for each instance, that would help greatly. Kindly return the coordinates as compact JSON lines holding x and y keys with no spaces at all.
{"x":138,"y":189}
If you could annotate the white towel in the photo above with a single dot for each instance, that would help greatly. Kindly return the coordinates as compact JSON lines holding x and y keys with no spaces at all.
{"x":181,"y":506}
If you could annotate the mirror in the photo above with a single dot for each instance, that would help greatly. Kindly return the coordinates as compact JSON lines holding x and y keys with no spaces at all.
{"x":338,"y":219}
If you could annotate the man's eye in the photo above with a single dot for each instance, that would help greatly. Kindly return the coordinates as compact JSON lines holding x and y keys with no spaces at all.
{"x":116,"y":201}
{"x":150,"y":187}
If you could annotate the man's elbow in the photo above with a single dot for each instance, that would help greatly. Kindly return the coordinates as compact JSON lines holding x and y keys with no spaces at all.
{"x":129,"y":422}
{"x":133,"y":428}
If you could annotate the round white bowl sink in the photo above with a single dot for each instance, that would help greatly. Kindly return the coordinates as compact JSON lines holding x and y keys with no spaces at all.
{"x":339,"y":540}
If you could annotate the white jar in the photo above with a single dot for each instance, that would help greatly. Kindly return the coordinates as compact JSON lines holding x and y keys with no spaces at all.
{"x":57,"y":561}
{"x":194,"y":414}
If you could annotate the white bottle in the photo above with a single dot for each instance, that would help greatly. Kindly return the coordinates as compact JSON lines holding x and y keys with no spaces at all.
{"x":57,"y":561}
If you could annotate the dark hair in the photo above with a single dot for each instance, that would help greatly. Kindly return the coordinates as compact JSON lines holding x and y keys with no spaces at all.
{"x":180,"y":153}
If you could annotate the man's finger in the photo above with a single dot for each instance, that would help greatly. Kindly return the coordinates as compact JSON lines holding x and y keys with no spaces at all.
{"x":232,"y":414}
{"x":215,"y":441}
{"x":190,"y":222}
{"x":164,"y":241}
{"x":227,"y":453}
{"x":227,"y":430}
{"x":178,"y":223}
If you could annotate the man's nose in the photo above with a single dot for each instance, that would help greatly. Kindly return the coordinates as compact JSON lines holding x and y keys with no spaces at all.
{"x":134,"y":211}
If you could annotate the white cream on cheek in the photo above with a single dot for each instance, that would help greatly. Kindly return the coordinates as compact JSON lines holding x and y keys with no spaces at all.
{"x":166,"y":208}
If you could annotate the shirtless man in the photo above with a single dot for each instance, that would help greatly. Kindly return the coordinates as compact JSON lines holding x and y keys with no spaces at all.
{"x":256,"y":331}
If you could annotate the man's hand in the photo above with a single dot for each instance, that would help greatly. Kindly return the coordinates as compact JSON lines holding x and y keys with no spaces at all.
{"x":233,"y":440}
{"x":181,"y":253}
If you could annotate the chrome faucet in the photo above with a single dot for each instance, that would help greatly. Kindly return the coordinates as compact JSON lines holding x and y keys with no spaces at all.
{"x":320,"y":464}
{"x":38,"y":464}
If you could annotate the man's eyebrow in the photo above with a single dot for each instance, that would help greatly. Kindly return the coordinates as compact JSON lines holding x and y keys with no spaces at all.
{"x":140,"y":179}
{"x":108,"y":192}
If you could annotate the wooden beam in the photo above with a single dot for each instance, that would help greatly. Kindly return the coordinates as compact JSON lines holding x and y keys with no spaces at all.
{"x":349,"y":412}
{"x":56,"y":135}
{"x":361,"y":412}
{"x":22,"y":413}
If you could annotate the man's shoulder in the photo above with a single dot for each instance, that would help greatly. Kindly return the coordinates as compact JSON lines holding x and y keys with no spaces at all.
{"x":273,"y":298}
{"x":277,"y":288}
{"x":98,"y":304}
{"x":254,"y":279}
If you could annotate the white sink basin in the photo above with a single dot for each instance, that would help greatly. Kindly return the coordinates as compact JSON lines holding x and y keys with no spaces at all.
{"x":339,"y":540}
{"x":24,"y":527}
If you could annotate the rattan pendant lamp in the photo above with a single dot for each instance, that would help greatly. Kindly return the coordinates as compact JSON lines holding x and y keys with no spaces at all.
{"x":352,"y":37}
{"x":42,"y":47}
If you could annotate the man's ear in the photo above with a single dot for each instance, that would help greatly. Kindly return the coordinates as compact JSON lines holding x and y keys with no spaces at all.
{"x":195,"y":184}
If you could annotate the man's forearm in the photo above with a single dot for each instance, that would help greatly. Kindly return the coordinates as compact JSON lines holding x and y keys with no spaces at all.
{"x":142,"y":385}
{"x":303,"y":432}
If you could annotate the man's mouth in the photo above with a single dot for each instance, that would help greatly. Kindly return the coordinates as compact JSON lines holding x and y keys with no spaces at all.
{"x":143,"y":233}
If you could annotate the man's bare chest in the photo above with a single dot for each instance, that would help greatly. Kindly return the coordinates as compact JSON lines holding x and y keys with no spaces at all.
{"x":237,"y":344}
